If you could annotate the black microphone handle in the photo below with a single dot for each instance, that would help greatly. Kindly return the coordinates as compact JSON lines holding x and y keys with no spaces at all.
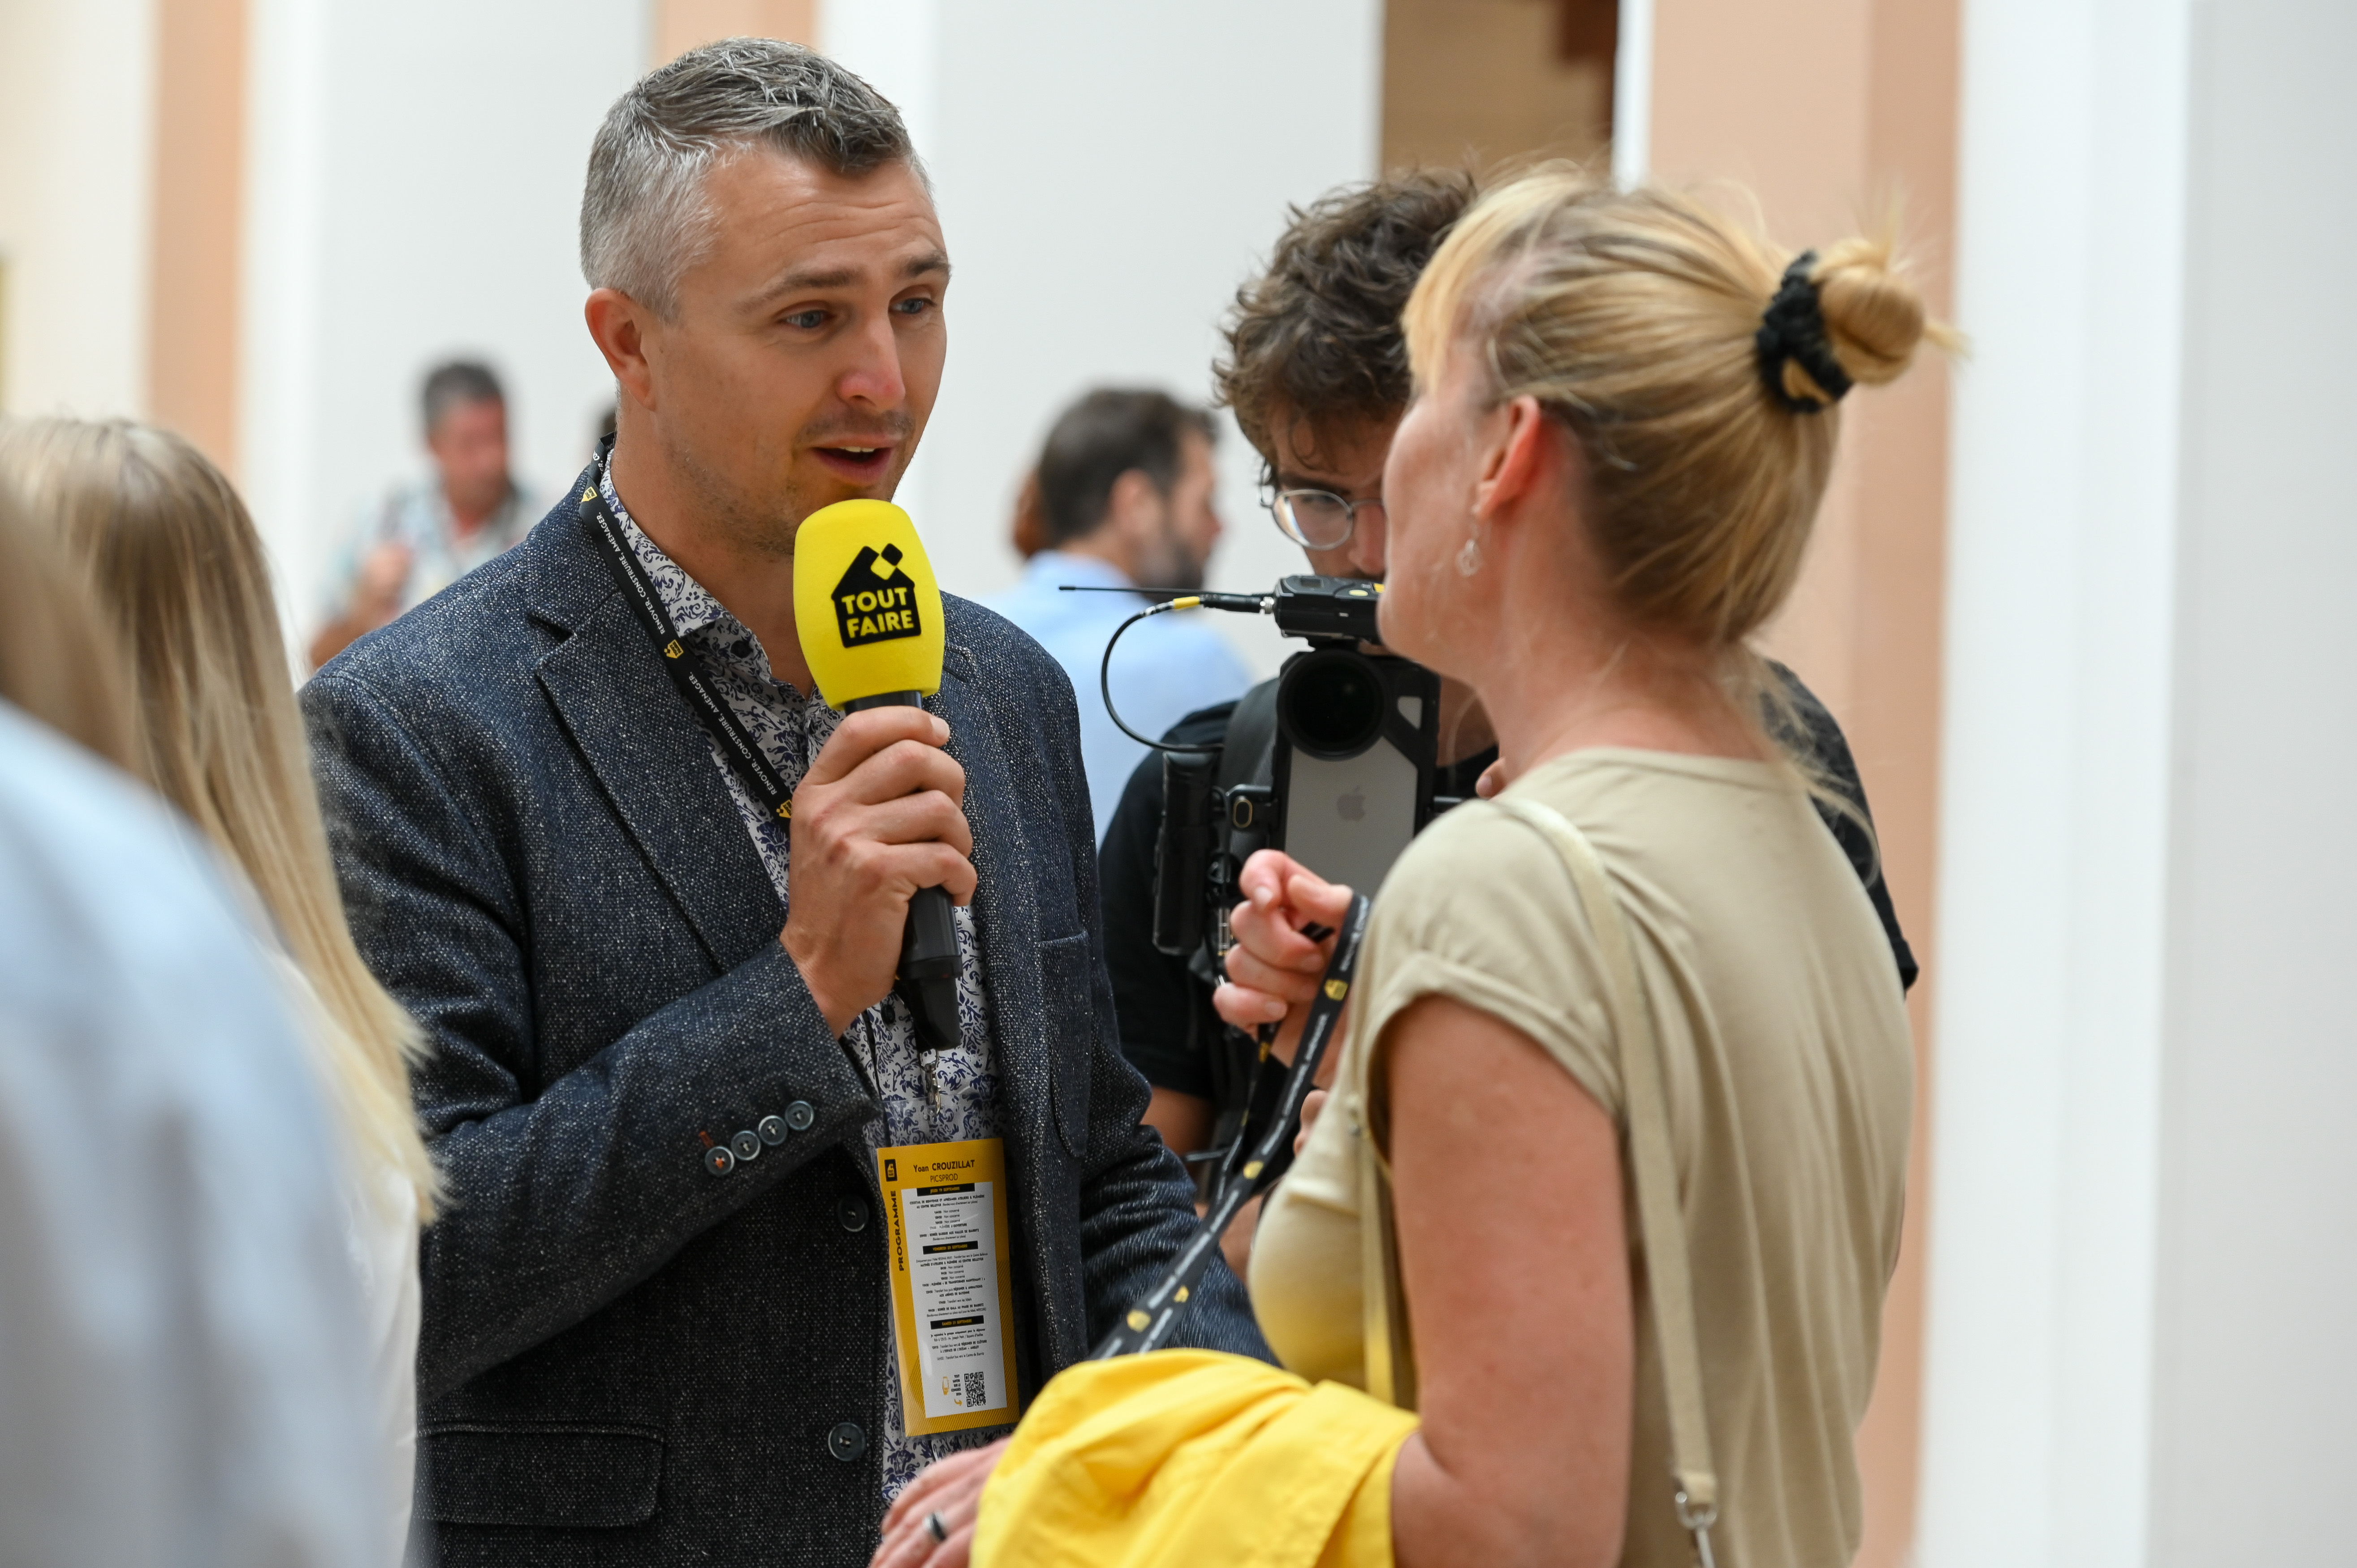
{"x":929,"y":953}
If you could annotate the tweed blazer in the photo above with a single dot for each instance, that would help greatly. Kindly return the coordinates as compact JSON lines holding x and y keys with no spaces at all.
{"x":626,"y":1359}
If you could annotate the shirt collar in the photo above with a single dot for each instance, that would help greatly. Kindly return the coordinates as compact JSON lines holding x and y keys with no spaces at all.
{"x":691,"y":608}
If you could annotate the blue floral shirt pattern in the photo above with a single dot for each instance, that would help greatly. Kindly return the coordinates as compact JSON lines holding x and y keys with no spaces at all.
{"x":960,"y":1100}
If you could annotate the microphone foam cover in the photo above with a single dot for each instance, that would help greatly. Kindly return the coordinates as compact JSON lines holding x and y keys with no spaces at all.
{"x":866,"y":605}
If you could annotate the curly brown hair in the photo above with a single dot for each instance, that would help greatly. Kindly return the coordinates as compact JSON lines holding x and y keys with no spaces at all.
{"x":1317,"y":337}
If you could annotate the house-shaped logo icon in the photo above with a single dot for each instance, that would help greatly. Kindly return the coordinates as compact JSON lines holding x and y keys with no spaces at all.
{"x":873,"y":604}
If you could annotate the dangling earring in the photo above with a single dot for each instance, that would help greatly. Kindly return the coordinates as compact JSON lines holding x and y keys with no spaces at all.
{"x":1468,"y":556}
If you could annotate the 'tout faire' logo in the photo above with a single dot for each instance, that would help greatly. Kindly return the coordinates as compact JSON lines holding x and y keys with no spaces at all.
{"x":873,"y":606}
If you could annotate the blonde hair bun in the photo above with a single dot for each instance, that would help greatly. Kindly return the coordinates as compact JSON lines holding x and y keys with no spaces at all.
{"x":1637,"y":318}
{"x":1874,"y":319}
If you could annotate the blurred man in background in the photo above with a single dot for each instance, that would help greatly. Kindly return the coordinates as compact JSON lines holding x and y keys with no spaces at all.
{"x":429,"y":535}
{"x":1124,"y":501}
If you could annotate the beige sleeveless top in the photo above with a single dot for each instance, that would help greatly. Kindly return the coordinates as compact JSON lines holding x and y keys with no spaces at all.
{"x":1785,"y":1049}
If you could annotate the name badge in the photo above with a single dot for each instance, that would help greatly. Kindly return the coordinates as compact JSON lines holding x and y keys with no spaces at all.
{"x":951,"y":1287}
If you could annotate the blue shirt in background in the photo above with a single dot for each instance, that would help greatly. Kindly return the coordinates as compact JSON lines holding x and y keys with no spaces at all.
{"x":1164,"y":668}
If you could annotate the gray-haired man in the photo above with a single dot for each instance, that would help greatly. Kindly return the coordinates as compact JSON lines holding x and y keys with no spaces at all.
{"x":658,"y":1308}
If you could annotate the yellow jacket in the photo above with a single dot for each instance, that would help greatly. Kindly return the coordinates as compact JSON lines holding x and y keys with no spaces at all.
{"x":1187,"y":1458}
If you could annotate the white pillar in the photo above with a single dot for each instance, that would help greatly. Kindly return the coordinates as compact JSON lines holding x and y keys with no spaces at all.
{"x":2055,"y":788}
{"x":1632,"y":93}
{"x":76,"y":172}
{"x":2142,"y":1244}
{"x":2254,"y":1443}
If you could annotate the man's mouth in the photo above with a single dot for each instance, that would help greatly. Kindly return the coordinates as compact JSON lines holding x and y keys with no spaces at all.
{"x":860,"y":465}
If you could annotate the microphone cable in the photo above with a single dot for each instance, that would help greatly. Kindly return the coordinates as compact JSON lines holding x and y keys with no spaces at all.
{"x":1242,"y":603}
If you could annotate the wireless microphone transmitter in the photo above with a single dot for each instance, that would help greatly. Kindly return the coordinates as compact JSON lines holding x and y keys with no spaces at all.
{"x":868,"y":613}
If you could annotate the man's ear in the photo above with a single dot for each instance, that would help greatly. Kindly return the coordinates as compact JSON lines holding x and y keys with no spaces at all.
{"x":1133,"y":506}
{"x":620,"y":326}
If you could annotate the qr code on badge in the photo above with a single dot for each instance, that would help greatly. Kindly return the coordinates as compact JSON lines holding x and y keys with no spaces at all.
{"x":977,"y":1390}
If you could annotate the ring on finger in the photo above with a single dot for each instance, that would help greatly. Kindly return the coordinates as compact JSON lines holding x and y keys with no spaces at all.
{"x":937,"y":1527}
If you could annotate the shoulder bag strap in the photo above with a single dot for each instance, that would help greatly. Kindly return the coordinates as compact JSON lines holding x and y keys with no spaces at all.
{"x":1652,"y":1169}
{"x":1248,"y":750}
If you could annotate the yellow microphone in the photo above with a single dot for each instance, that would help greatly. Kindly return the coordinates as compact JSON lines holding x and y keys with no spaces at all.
{"x":866,"y":606}
{"x":868,"y":613}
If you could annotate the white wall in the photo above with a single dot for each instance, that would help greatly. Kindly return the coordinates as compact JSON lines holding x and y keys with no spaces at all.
{"x":415,"y":174}
{"x":2254,"y":1440}
{"x":2055,"y":787}
{"x":77,"y":157}
{"x":2144,"y":1249}
{"x":1108,"y":174}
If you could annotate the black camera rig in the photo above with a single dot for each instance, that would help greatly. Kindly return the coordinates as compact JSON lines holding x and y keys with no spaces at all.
{"x":1351,"y":774}
{"x":1338,"y":772}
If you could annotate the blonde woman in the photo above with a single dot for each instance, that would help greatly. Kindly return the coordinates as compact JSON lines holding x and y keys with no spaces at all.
{"x":173,"y":560}
{"x":1623,"y":422}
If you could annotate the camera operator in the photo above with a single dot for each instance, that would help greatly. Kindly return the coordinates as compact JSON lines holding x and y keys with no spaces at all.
{"x":1317,"y":373}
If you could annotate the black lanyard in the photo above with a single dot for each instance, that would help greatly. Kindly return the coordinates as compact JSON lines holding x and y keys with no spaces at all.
{"x":1148,"y":1325}
{"x":686,"y":671}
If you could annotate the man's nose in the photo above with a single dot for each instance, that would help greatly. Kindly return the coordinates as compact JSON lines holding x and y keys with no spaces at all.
{"x":1367,"y":545}
{"x":873,"y":377}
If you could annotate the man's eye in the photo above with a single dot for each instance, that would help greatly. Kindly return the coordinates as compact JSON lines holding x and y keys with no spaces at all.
{"x":917,"y":307}
{"x":810,"y":320}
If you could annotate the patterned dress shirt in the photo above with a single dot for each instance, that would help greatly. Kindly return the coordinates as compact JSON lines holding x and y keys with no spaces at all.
{"x":959,"y":1102}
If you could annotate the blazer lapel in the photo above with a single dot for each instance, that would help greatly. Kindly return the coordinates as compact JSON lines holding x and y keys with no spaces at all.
{"x":647,"y":754}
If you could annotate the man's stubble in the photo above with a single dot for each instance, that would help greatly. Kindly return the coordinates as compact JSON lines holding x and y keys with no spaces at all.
{"x":764,"y":521}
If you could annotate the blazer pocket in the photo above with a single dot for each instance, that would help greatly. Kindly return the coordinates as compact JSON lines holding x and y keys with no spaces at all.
{"x":551,"y":1474}
{"x":1069,"y":1010}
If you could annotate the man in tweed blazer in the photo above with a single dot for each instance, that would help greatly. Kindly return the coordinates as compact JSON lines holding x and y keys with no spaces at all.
{"x":663,"y":1041}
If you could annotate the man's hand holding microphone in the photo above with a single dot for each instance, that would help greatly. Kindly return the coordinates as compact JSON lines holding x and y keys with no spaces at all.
{"x":879,"y":815}
{"x":880,"y":847}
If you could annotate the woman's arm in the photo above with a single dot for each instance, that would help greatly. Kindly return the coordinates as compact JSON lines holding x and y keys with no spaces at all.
{"x":1506,"y":1180}
{"x":1506,"y":1189}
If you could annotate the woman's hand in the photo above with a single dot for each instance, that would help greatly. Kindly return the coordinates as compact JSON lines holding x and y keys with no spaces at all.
{"x":1273,"y":969}
{"x":951,"y":1488}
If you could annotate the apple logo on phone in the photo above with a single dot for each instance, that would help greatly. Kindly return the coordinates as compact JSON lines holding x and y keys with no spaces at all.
{"x":1353,"y":807}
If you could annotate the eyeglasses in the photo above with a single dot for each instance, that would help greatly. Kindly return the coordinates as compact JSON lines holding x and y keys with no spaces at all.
{"x":1320,"y":519}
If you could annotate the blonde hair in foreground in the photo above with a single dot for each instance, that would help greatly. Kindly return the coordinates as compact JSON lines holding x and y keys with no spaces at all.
{"x":174,"y":561}
{"x":1632,"y":315}
{"x":58,"y":661}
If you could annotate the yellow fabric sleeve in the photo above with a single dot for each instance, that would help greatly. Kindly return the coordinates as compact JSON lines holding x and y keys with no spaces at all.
{"x":1184,"y":1457}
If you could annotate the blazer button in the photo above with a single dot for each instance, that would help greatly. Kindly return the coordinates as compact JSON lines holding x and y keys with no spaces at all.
{"x":847,"y":1441}
{"x":798,"y":1116}
{"x":853,"y":1212}
{"x":772,"y":1130}
{"x":718,"y":1160}
{"x":746,"y":1146}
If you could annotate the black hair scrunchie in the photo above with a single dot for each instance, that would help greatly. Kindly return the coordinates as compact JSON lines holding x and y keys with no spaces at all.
{"x":1793,"y":328}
